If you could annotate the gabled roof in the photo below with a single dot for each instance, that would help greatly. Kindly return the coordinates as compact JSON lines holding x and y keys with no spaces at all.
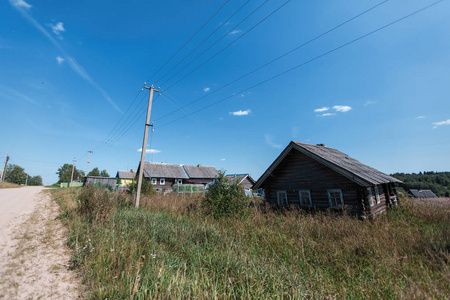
{"x":162,"y":170}
{"x":422,"y":193}
{"x":238,"y":178}
{"x":335,"y":160}
{"x":125,"y":175}
{"x":201,"y":172}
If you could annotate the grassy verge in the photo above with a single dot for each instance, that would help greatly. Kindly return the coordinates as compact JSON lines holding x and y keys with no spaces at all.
{"x":8,"y":185}
{"x":170,"y":249}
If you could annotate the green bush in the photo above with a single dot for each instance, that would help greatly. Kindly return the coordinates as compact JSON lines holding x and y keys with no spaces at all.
{"x":146,"y":188}
{"x":224,"y":199}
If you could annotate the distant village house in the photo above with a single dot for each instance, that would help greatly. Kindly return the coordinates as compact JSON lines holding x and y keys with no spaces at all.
{"x":125,"y":177}
{"x":245,"y":180}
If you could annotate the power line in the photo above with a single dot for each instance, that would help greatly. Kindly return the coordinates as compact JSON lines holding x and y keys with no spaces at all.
{"x":207,"y":38}
{"x":275,"y":59}
{"x":182,"y":47}
{"x":309,"y":61}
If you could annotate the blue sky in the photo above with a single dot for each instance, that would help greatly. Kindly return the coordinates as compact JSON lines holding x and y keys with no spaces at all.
{"x":69,"y":71}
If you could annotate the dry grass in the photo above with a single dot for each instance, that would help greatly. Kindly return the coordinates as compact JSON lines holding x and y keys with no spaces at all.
{"x":170,"y":249}
{"x":8,"y":185}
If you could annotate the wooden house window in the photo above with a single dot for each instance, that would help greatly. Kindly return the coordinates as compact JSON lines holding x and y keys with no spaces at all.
{"x":153,"y":180}
{"x":335,"y":198}
{"x":369,"y":191}
{"x":162,"y":181}
{"x":179,"y":181}
{"x":282,"y":198}
{"x":305,"y":197}
{"x":377,"y":194}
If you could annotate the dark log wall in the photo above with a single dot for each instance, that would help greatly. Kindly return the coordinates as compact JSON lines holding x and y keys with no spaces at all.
{"x":166,"y":186}
{"x":299,"y":172}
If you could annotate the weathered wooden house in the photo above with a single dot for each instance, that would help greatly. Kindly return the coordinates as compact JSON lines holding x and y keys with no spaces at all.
{"x":98,"y":180}
{"x":163,"y":176}
{"x":414,"y":193}
{"x":325,"y":178}
{"x":245,"y":180}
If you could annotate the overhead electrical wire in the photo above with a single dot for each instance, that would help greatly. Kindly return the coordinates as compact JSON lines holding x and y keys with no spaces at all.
{"x":190,"y":39}
{"x":275,"y":59}
{"x":308,"y":61}
{"x":204,"y":40}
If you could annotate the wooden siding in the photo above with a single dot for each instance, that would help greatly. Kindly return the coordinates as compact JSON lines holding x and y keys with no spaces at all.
{"x":166,"y":186}
{"x":247,"y":184}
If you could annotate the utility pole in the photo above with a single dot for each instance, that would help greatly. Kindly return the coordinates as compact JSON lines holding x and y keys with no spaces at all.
{"x":26,"y":180}
{"x":144,"y":144}
{"x":85,"y":173}
{"x":71,"y":176}
{"x":4,"y":168}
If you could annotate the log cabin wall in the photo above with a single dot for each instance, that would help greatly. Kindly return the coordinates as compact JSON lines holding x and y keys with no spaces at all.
{"x":300,"y":172}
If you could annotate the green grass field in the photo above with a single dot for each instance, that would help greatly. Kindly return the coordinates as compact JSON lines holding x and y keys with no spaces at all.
{"x":169,"y":249}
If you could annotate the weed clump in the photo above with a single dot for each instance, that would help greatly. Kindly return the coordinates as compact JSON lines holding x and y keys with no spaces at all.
{"x":98,"y":202}
{"x":225,"y":199}
{"x":146,"y":188}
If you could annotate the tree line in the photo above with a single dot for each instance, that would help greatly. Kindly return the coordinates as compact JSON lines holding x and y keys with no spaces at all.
{"x":438,"y":182}
{"x":65,"y":173}
{"x":16,"y":174}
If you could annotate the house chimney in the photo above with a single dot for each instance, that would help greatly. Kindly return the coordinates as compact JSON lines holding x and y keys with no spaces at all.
{"x":199,"y":165}
{"x":322,"y":145}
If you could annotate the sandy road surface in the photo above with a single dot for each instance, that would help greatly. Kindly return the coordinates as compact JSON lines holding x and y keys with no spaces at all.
{"x":34,"y":259}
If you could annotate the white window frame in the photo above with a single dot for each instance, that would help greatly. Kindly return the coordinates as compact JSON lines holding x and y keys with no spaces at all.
{"x":335,"y":191}
{"x":162,"y":181}
{"x":278,"y":198}
{"x":154,"y":180}
{"x":302,"y":202}
{"x":369,"y":190}
{"x":179,"y":181}
{"x":377,"y":194}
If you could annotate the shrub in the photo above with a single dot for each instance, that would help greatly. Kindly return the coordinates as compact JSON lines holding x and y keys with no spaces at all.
{"x":224,"y":199}
{"x":146,"y":188}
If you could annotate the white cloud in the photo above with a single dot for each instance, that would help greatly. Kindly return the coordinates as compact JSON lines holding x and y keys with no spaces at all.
{"x":420,"y":117}
{"x":60,"y":60}
{"x":326,"y":115}
{"x":369,"y":103}
{"x":270,"y":142}
{"x":342,"y":108}
{"x":20,"y":3}
{"x":206,"y":89}
{"x":13,"y":94}
{"x":235,"y":31}
{"x":153,"y":151}
{"x":223,"y":159}
{"x":71,"y":61}
{"x":57,"y":28}
{"x":437,"y":124}
{"x":241,"y":112}
{"x":322,"y":109}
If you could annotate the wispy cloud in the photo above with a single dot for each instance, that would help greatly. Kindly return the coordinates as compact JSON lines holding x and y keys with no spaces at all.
{"x":77,"y":68}
{"x":270,"y":142}
{"x":223,"y":159}
{"x":206,"y":89}
{"x":342,"y":108}
{"x":235,"y":31}
{"x":370,"y":103}
{"x":420,"y":117}
{"x":322,"y":109}
{"x":153,"y":151}
{"x":326,"y":115}
{"x":13,"y":94}
{"x":60,"y":60}
{"x":20,"y":3}
{"x":437,"y":124}
{"x":57,"y":28}
{"x":241,"y":112}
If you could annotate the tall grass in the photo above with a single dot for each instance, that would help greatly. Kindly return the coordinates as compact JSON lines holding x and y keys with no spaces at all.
{"x":8,"y":185}
{"x":170,"y":249}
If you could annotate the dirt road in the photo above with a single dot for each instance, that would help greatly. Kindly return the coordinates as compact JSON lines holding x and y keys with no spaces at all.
{"x":34,"y":259}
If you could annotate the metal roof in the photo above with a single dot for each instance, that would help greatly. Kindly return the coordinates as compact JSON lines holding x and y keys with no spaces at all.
{"x":422,"y":193}
{"x":337,"y":161}
{"x":238,"y":178}
{"x":201,"y":172}
{"x":125,"y":175}
{"x":162,"y":170}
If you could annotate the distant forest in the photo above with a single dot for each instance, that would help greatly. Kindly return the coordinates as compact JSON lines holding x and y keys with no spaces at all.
{"x":438,"y":182}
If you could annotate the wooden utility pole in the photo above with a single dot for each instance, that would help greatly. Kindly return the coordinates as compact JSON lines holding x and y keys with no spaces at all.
{"x":85,"y":173}
{"x":2,"y":178}
{"x":144,"y":145}
{"x":71,"y":176}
